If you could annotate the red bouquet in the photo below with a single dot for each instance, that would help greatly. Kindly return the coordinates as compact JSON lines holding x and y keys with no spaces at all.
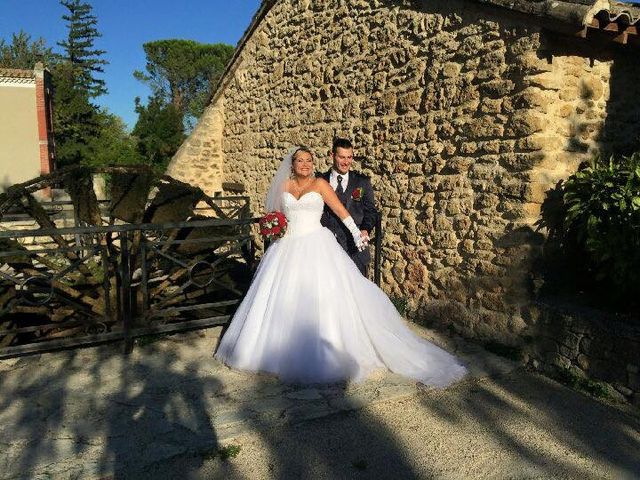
{"x":273,"y":225}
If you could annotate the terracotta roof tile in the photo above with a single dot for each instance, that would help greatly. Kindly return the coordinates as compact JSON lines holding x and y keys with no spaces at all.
{"x":16,"y":73}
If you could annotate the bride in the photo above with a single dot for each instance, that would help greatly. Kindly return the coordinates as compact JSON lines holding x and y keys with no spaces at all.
{"x":309,"y":315}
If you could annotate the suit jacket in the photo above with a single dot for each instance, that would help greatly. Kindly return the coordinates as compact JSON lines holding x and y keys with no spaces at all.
{"x":363,"y":211}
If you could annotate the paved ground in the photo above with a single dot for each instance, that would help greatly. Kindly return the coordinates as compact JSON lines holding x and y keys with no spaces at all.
{"x":166,"y":410}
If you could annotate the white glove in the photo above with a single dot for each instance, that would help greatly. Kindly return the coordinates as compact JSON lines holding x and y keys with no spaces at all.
{"x":355,"y":232}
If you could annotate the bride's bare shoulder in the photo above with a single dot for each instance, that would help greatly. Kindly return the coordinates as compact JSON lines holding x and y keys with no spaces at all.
{"x":321,"y":183}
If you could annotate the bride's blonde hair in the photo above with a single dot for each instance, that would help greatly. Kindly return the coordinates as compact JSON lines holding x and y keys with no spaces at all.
{"x":302,"y":149}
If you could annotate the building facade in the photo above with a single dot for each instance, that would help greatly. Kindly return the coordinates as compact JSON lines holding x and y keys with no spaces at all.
{"x":26,"y":132}
{"x":465,"y":114}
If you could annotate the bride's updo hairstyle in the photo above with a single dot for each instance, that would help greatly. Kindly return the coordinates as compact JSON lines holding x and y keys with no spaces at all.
{"x":300,"y":149}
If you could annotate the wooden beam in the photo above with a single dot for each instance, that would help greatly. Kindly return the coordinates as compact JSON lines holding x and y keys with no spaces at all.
{"x":621,"y":38}
{"x":611,"y":27}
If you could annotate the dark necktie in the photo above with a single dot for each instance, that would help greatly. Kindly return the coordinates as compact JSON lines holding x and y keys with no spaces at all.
{"x":339,"y":189}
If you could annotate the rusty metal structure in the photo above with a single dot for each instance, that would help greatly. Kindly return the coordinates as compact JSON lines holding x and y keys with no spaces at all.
{"x":159,"y":256}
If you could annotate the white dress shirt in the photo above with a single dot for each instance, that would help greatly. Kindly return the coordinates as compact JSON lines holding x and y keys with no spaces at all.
{"x":333,"y":179}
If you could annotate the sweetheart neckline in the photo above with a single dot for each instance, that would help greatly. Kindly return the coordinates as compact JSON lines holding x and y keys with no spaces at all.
{"x":303,"y":195}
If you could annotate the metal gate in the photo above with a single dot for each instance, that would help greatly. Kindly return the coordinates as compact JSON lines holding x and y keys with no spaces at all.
{"x":183,"y":262}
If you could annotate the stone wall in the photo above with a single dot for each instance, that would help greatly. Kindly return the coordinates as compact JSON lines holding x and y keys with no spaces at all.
{"x":199,"y":159}
{"x":589,"y":343}
{"x":464,"y":116}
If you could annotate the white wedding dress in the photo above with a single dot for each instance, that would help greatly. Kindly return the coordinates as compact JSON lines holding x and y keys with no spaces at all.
{"x":311,"y":317}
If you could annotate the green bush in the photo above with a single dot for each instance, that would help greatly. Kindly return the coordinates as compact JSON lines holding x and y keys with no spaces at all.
{"x":595,"y":220}
{"x":603,"y":208}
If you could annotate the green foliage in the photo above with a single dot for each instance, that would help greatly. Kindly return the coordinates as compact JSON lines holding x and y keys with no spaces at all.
{"x":183,"y":73}
{"x":577,"y":381}
{"x":22,"y":53}
{"x":506,"y":351}
{"x":160,"y":132}
{"x":230,"y":451}
{"x":78,"y":124}
{"x":113,"y":144}
{"x":602,"y":205}
{"x":401,"y":304}
{"x":76,"y":121}
{"x":78,"y":47}
{"x":359,"y":464}
{"x":593,"y":220}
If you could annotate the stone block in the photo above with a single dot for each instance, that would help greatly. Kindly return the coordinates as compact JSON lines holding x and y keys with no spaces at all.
{"x":591,"y":87}
{"x":483,"y":127}
{"x":497,"y":88}
{"x":451,"y":70}
{"x":524,"y":123}
{"x":583,"y":362}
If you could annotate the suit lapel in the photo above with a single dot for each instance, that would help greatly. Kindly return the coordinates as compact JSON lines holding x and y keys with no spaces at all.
{"x":351,"y":185}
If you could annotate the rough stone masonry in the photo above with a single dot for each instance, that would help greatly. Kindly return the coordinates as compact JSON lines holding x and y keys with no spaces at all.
{"x":463,"y":114}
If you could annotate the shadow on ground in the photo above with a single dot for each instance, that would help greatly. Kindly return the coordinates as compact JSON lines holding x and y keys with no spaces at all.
{"x":95,"y":413}
{"x":539,"y":422}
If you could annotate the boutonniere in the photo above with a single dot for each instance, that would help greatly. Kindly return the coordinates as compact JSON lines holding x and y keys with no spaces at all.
{"x":357,"y":194}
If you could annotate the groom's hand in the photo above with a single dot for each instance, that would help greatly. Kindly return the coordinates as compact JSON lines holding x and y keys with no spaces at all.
{"x":365,"y":237}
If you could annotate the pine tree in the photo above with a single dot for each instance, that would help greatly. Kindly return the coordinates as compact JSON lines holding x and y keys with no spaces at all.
{"x":184,"y":72}
{"x":78,"y":47}
{"x":159,"y":130}
{"x":75,"y":118}
{"x":23,"y":53}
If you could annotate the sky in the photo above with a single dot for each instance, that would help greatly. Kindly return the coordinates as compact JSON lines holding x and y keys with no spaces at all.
{"x":125,"y":26}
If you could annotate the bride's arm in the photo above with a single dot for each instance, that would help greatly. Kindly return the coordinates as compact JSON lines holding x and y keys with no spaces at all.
{"x":331,"y":199}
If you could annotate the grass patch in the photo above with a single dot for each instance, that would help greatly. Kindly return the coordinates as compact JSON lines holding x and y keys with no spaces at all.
{"x":401,"y":304}
{"x":229,"y":451}
{"x":149,"y":339}
{"x":225,"y":452}
{"x":574,"y":380}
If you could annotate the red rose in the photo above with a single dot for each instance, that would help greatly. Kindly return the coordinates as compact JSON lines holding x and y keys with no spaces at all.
{"x":357,"y":194}
{"x":273,"y":224}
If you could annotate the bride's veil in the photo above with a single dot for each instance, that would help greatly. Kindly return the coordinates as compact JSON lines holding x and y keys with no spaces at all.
{"x":273,"y":201}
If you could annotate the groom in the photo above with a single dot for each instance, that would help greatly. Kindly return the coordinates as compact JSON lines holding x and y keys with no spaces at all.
{"x":355,"y":192}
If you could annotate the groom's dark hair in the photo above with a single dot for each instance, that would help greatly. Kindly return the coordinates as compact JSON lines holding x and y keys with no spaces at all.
{"x":340,"y":143}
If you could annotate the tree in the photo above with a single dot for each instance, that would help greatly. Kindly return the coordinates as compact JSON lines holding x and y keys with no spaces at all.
{"x":75,"y":118}
{"x":183,"y":73}
{"x":159,"y":130}
{"x":113,"y":144}
{"x":22,"y":53}
{"x":78,"y":47}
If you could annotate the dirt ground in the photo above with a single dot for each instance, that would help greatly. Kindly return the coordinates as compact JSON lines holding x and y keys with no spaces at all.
{"x":519,"y":425}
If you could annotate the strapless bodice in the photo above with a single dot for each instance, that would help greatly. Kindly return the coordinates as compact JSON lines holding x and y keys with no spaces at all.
{"x":303,"y":214}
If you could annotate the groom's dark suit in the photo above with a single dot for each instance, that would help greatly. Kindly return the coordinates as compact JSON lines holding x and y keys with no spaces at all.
{"x":364,"y":213}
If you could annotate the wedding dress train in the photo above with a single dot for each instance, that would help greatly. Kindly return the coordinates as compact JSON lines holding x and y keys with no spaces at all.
{"x":311,"y":317}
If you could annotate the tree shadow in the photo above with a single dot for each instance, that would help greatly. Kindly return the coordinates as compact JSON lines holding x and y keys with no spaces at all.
{"x":578,"y":423}
{"x":93,"y":413}
{"x":346,"y":443}
{"x":157,"y":413}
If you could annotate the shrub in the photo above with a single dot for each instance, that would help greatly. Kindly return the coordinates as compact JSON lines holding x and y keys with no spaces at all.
{"x":595,"y":220}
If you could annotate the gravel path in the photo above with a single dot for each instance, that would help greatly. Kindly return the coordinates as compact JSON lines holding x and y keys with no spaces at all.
{"x":519,"y":425}
{"x":166,"y":411}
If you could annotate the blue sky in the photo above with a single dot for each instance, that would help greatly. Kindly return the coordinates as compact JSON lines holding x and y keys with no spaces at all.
{"x":127,"y":24}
